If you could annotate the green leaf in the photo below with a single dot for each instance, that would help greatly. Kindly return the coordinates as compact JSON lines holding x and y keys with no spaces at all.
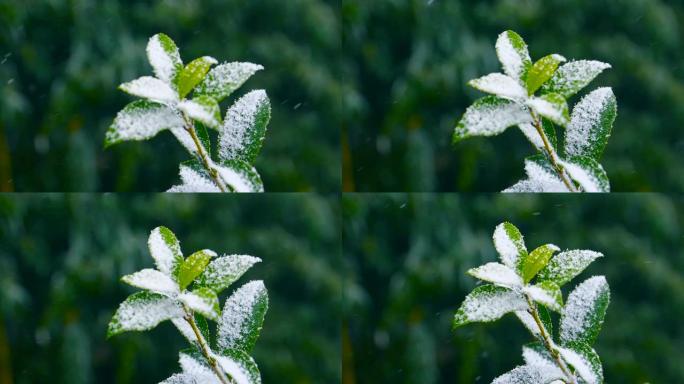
{"x":584,"y":360}
{"x":547,"y":294}
{"x":535,"y":354}
{"x":513,"y":55}
{"x":500,"y":85}
{"x":490,"y":116}
{"x":542,"y":71}
{"x":164,"y":58}
{"x":152,"y":280}
{"x":584,"y":311}
{"x":203,"y":301}
{"x":566,"y":265}
{"x":204,"y":139}
{"x":241,"y":176}
{"x":243,"y":317}
{"x":571,"y":77}
{"x":591,"y":124}
{"x":193,"y":74}
{"x":193,"y":266}
{"x":552,"y":106}
{"x":498,"y":274}
{"x":141,"y":120}
{"x":510,"y":244}
{"x":142,"y":311}
{"x":524,"y":374}
{"x":223,"y":79}
{"x":150,"y":88}
{"x":487,"y":303}
{"x":225,"y":270}
{"x":203,"y":109}
{"x":244,"y":128}
{"x":588,"y":173}
{"x":530,"y":131}
{"x":194,"y":178}
{"x":165,"y":250}
{"x":187,"y":331}
{"x":528,"y":321}
{"x":240,"y":366}
{"x":529,"y":265}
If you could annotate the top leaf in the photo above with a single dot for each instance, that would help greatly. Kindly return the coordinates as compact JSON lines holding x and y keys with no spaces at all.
{"x":223,"y":79}
{"x":541,"y":71}
{"x":513,"y":55}
{"x":163,"y":55}
{"x":193,"y":266}
{"x":529,"y":265}
{"x":510,"y":244}
{"x":193,"y":74}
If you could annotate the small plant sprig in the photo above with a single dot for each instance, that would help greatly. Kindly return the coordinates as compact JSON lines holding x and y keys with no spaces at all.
{"x":165,"y":106}
{"x":570,"y":167}
{"x":528,"y":284}
{"x":185,"y":291}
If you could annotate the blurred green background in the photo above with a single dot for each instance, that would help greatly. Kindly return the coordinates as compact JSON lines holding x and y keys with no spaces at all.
{"x":62,"y":60}
{"x":407,"y":63}
{"x":408,"y":254}
{"x":61,"y":257}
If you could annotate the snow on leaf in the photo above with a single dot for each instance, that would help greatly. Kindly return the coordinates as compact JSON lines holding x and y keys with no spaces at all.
{"x":194,"y":180}
{"x":533,"y":262}
{"x":181,"y":378}
{"x":186,"y":330}
{"x":194,"y":364}
{"x":584,"y":360}
{"x":498,"y":274}
{"x":552,"y":106}
{"x":152,"y":280}
{"x":488,"y":303}
{"x":566,"y":265}
{"x":509,"y":243}
{"x":531,"y":133}
{"x":203,"y":301}
{"x":588,"y":173}
{"x":239,"y":366}
{"x":187,"y":141}
{"x":165,"y":250}
{"x":591,"y":124}
{"x":223,"y":79}
{"x":500,"y":85}
{"x":142,"y":311}
{"x":203,"y":109}
{"x":150,"y":88}
{"x":141,"y":120}
{"x":571,"y":77}
{"x":513,"y":55}
{"x":241,"y":176}
{"x":584,"y":311}
{"x":524,"y":374}
{"x":193,"y":74}
{"x":164,"y":58}
{"x":547,"y":294}
{"x":225,"y":270}
{"x":537,"y":356}
{"x":541,"y":177}
{"x":193,"y":266}
{"x":528,"y":321}
{"x":541,"y":71}
{"x":244,"y":128}
{"x":243,"y":317}
{"x":490,"y":116}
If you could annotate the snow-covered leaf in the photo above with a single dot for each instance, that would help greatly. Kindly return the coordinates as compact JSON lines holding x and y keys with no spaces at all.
{"x":239,"y":366}
{"x":513,"y":55}
{"x":541,"y":71}
{"x":165,"y":250}
{"x":152,"y":280}
{"x":571,"y":77}
{"x":490,"y":116}
{"x":584,"y":311}
{"x":203,"y":109}
{"x":590,"y":124}
{"x":242,"y":177}
{"x":194,"y":364}
{"x":530,"y":131}
{"x":524,"y":374}
{"x":164,"y":58}
{"x":537,"y":356}
{"x":150,"y":88}
{"x":528,"y":321}
{"x":546,"y":293}
{"x":181,"y":378}
{"x":509,"y":243}
{"x":243,"y":317}
{"x":588,"y":173}
{"x":193,"y":74}
{"x":141,"y":120}
{"x":194,"y":179}
{"x":223,"y":79}
{"x":203,"y":301}
{"x":193,"y":266}
{"x":500,"y":85}
{"x":244,"y":128}
{"x":584,"y":360}
{"x":552,"y":106}
{"x":488,"y":303}
{"x":566,"y":265}
{"x":541,"y":177}
{"x":530,"y":264}
{"x":142,"y":311}
{"x":498,"y":274}
{"x":186,"y":330}
{"x":224,"y":271}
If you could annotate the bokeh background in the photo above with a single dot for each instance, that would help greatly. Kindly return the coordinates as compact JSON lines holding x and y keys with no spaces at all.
{"x":407,"y":256}
{"x":62,"y":60}
{"x":61,"y":259}
{"x":407,"y":63}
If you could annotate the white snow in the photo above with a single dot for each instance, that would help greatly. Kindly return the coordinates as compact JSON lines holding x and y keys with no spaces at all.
{"x":165,"y":64}
{"x":554,"y":112}
{"x":508,"y":248}
{"x":237,"y":311}
{"x":498,"y":274}
{"x":500,"y":85}
{"x":524,"y":374}
{"x":193,"y":181}
{"x":223,"y":79}
{"x":165,"y":255}
{"x":200,"y":371}
{"x":204,"y":113}
{"x":202,"y":304}
{"x":581,"y":365}
{"x":234,"y":135}
{"x":539,"y":179}
{"x":544,"y":363}
{"x":225,"y":270}
{"x":489,"y":305}
{"x":512,"y":60}
{"x":140,"y":121}
{"x":150,"y":88}
{"x":152,"y":280}
{"x":234,"y":370}
{"x":238,"y":181}
{"x":542,"y":296}
{"x":583,"y":130}
{"x":144,"y":311}
{"x":487,"y":117}
{"x":579,"y":308}
{"x":586,"y":180}
{"x":573,"y":76}
{"x":566,"y":265}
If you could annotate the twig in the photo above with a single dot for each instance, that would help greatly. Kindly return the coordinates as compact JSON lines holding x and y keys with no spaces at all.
{"x":206,"y":161}
{"x":205,"y":349}
{"x":552,"y":154}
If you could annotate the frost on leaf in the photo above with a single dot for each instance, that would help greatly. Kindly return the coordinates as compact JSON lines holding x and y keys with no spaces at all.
{"x":591,"y":124}
{"x":225,"y":270}
{"x":181,"y":378}
{"x":141,"y":120}
{"x":152,"y":280}
{"x":203,"y":301}
{"x":240,"y":366}
{"x":513,"y":55}
{"x":573,"y":76}
{"x":164,"y":58}
{"x":542,"y":70}
{"x":500,"y":85}
{"x":524,"y":374}
{"x":244,"y":128}
{"x":193,"y":365}
{"x":536,"y":355}
{"x":552,"y":106}
{"x":203,"y":109}
{"x":498,"y":274}
{"x":588,"y":173}
{"x":194,"y":180}
{"x":584,"y":311}
{"x":223,"y":79}
{"x":547,"y":294}
{"x":566,"y":265}
{"x":193,"y":74}
{"x":585,"y":361}
{"x":509,"y":243}
{"x":490,"y":116}
{"x":142,"y":311}
{"x":242,"y":177}
{"x":488,"y":303}
{"x":165,"y":250}
{"x":243,"y":317}
{"x":150,"y":88}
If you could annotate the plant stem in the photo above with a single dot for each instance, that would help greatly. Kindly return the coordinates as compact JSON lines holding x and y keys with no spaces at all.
{"x":552,"y":154}
{"x":206,"y":161}
{"x":548,"y":342}
{"x":204,"y":347}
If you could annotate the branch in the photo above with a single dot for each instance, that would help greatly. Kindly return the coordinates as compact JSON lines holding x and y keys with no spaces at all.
{"x":206,"y":351}
{"x":206,"y":160}
{"x":552,"y":154}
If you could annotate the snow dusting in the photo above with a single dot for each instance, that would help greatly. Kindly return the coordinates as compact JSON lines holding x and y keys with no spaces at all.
{"x":164,"y":57}
{"x":199,"y":370}
{"x":564,"y":266}
{"x":181,"y":378}
{"x":223,"y":79}
{"x":142,"y":120}
{"x":490,"y":116}
{"x":238,"y":181}
{"x":238,"y":311}
{"x":573,"y":76}
{"x":150,"y":88}
{"x":225,"y":270}
{"x":489,"y":303}
{"x":193,"y":181}
{"x":500,"y":85}
{"x":556,"y":112}
{"x":508,"y":247}
{"x":498,"y":274}
{"x":581,"y":365}
{"x":165,"y":250}
{"x":586,"y":180}
{"x":542,"y":360}
{"x":585,"y":131}
{"x":152,"y":280}
{"x":542,"y":296}
{"x":540,"y":179}
{"x":524,"y":374}
{"x":205,"y":305}
{"x":234,"y":370}
{"x":237,"y":135}
{"x":142,"y":311}
{"x":206,"y":114}
{"x":584,"y":309}
{"x":512,"y":59}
